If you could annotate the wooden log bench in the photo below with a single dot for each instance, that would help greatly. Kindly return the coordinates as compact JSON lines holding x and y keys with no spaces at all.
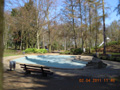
{"x":36,"y":69}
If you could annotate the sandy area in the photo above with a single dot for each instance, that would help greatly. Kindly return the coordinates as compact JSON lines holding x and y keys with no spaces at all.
{"x":61,"y":79}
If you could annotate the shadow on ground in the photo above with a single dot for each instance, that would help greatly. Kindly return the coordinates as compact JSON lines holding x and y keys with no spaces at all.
{"x":14,"y":80}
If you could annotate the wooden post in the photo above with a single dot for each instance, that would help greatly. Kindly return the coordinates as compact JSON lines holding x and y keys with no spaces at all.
{"x":43,"y":73}
{"x":25,"y":66}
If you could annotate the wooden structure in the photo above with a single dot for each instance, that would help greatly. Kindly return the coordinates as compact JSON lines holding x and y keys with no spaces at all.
{"x":36,"y":69}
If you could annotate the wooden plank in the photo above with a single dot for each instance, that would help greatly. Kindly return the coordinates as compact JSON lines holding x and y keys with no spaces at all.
{"x":37,"y":69}
{"x":35,"y":66}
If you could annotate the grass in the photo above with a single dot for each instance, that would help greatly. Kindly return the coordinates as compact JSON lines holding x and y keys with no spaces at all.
{"x":107,"y":53}
{"x":112,"y":58}
{"x":114,"y":53}
{"x":91,"y":54}
{"x":11,"y":53}
{"x":87,"y":54}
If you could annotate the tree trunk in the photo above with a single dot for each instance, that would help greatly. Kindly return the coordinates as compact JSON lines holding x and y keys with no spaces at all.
{"x":104,"y":32}
{"x":90,"y":28}
{"x":49,"y":46}
{"x":81,"y":21}
{"x":26,"y":43}
{"x":43,"y":41}
{"x":73,"y":26}
{"x":75,"y":39}
{"x":96,"y":28}
{"x":38,"y":41}
{"x":89,"y":46}
{"x":65,"y":43}
{"x":1,"y":42}
{"x":21,"y":45}
{"x":85,"y":9}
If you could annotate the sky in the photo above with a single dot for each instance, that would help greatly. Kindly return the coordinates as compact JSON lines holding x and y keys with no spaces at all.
{"x":112,"y":15}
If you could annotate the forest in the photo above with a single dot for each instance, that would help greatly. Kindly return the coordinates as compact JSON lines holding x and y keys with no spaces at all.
{"x":78,"y":24}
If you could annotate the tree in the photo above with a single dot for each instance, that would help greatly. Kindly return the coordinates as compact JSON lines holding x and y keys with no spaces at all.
{"x":48,"y":25}
{"x":23,"y":25}
{"x":118,"y":8}
{"x":97,"y":22}
{"x":28,"y":23}
{"x":40,"y":18}
{"x":70,"y":6}
{"x":1,"y":41}
{"x":113,"y":31}
{"x":90,"y":3}
{"x":81,"y":19}
{"x":104,"y":31}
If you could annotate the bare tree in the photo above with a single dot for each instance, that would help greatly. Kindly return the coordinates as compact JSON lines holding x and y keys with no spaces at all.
{"x":69,"y":12}
{"x":40,"y":15}
{"x":81,"y":19}
{"x":97,"y":6}
{"x":118,"y":8}
{"x":90,"y":24}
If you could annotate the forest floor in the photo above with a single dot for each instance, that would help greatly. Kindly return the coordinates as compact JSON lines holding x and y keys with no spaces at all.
{"x":94,"y":79}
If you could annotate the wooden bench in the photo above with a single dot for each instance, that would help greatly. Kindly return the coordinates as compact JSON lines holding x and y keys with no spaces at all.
{"x":36,"y":69}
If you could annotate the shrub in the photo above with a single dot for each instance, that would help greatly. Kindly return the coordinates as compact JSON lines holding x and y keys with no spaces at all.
{"x":41,"y":51}
{"x":93,"y":49}
{"x":87,"y":50}
{"x":112,"y":43}
{"x":30,"y":50}
{"x":65,"y":52}
{"x":35,"y":50}
{"x":76,"y":51}
{"x":118,"y":59}
{"x":104,"y":57}
{"x":118,"y":41}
